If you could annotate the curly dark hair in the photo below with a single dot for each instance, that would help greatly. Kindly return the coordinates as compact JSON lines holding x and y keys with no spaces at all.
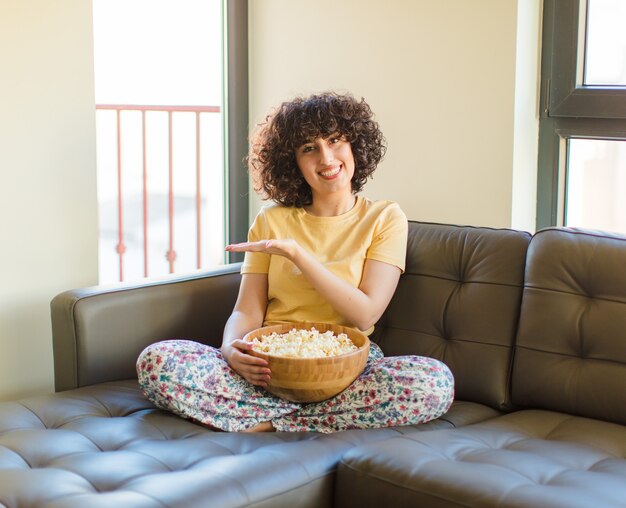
{"x":272,"y":158}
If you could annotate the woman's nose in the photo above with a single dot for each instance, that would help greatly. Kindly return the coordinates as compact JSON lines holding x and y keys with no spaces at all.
{"x":326,"y":154}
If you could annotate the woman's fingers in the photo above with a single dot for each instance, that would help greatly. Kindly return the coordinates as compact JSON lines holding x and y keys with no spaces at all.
{"x":256,"y":376}
{"x":258,"y":380}
{"x":259,"y":246}
{"x":282,"y":247}
{"x":252,"y":369}
{"x":249,"y":363}
{"x":243,"y":347}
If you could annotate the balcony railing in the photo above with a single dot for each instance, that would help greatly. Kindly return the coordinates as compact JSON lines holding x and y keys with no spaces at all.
{"x":128,"y":135}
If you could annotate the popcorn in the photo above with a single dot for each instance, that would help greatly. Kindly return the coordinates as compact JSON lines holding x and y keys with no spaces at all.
{"x":303,"y":344}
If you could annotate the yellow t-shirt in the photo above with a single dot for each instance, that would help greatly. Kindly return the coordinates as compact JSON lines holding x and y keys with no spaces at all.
{"x":370,"y":230}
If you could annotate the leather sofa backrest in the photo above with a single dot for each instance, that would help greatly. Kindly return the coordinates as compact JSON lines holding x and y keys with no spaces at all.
{"x":98,"y":334}
{"x":571,"y":345}
{"x":458,"y":301}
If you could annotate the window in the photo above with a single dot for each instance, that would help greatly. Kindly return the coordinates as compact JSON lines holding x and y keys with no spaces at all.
{"x":582,"y":131}
{"x":171,"y":117}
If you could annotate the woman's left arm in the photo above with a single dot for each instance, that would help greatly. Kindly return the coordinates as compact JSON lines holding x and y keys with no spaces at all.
{"x":362,"y":305}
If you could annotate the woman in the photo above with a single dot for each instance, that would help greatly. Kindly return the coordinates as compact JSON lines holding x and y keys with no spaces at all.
{"x":320,"y":253}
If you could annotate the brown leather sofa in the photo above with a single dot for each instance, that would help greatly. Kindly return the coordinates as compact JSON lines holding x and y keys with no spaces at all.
{"x":534,"y":330}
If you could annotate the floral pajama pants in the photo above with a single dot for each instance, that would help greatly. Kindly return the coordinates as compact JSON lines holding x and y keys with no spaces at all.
{"x":192,"y":380}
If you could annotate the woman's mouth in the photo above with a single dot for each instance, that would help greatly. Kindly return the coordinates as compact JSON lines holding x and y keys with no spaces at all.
{"x":330,"y":173}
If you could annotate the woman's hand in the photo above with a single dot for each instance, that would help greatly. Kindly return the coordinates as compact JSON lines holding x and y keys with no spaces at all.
{"x":247,"y":315}
{"x":252,"y":369}
{"x":361,"y":306}
{"x":283,"y":247}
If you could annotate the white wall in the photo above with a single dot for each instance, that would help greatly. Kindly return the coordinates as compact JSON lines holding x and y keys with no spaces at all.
{"x":48,"y":223}
{"x":441,"y":78}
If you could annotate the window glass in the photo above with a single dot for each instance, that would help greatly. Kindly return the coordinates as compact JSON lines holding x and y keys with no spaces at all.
{"x":605,"y":59}
{"x":158,"y":90}
{"x":583,"y":185}
{"x":596,"y":184}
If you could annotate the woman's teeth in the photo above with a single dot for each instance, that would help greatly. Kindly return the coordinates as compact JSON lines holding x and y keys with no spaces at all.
{"x":331,"y":172}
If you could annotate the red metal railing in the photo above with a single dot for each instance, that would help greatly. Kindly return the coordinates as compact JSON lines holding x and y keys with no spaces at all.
{"x":170,"y":110}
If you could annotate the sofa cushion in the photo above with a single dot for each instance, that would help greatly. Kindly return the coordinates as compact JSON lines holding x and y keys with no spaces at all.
{"x":526,"y":458}
{"x":106,"y":445}
{"x":458,"y":301}
{"x":571,"y":345}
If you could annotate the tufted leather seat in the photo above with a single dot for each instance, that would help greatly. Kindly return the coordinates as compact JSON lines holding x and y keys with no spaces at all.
{"x":569,"y":360}
{"x":530,"y":458}
{"x":105,"y":445}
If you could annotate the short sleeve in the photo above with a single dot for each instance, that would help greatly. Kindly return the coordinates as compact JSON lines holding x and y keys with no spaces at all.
{"x":257,"y":262}
{"x":390,"y":237}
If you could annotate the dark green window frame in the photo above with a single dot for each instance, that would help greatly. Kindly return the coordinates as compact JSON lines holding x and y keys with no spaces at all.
{"x":236,"y":121}
{"x":569,"y":109}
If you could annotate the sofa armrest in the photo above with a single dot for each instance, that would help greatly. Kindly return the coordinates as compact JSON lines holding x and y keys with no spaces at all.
{"x":98,"y":332}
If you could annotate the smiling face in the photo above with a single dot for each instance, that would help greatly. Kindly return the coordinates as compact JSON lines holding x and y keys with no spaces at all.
{"x":327,"y":165}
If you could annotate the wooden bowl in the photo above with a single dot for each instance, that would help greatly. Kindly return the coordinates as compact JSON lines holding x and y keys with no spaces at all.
{"x":313,"y":379}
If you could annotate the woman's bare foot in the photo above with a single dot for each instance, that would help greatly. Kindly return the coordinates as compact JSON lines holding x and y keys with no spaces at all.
{"x":262,"y":427}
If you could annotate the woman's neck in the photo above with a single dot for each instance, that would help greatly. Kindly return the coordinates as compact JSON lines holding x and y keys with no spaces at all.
{"x":331,"y":206}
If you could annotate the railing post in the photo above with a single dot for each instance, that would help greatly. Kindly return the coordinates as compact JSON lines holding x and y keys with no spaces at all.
{"x":198,"y":196}
{"x":145,"y":194}
{"x":121,"y":248}
{"x":171,"y":253}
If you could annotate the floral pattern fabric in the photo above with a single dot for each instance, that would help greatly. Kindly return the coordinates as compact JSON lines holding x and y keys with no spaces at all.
{"x":193,"y":380}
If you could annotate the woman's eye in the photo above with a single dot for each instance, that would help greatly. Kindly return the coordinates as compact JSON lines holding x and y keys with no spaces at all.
{"x":334,"y":140}
{"x":307,"y":149}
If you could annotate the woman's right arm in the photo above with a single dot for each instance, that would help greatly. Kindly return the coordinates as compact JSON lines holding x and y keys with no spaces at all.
{"x":248,"y":314}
